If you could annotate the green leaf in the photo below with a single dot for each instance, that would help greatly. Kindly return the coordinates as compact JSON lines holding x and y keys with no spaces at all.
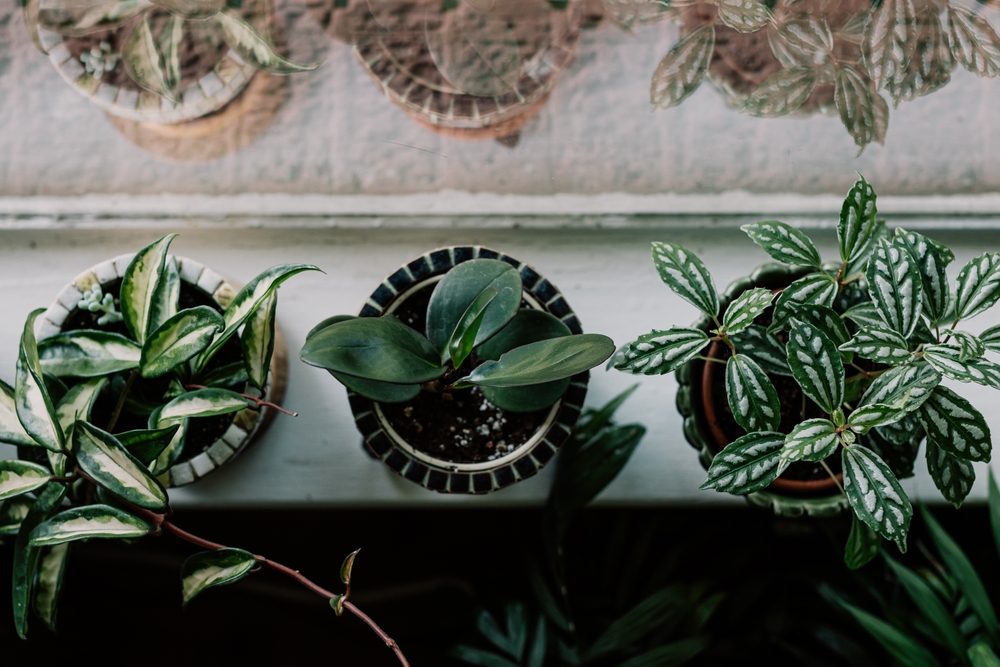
{"x":863,"y":544}
{"x":969,"y":345}
{"x":811,"y":440}
{"x":660,"y":352}
{"x":895,"y":287}
{"x":143,"y":275}
{"x":526,"y":399}
{"x":764,"y":348}
{"x":687,"y":276}
{"x":48,"y":586}
{"x":857,"y":220}
{"x":865,"y":314}
{"x":78,"y":403}
{"x":178,"y":339}
{"x":192,"y":9}
{"x":930,"y":605}
{"x":816,"y":365}
{"x":883,"y":346}
{"x":682,"y":70}
{"x":147,"y":445}
{"x":781,"y":93}
{"x":34,"y":407}
{"x":464,"y":337}
{"x":638,"y":622}
{"x":744,"y":15}
{"x":670,"y":655}
{"x":981,"y":655}
{"x":874,"y":414}
{"x":17,"y":477}
{"x":382,"y":392}
{"x":26,"y":557}
{"x":905,"y":387}
{"x":744,"y":310}
{"x":475,"y":656}
{"x":784,"y":243}
{"x":230,"y":376}
{"x":974,"y":42}
{"x":953,"y":476}
{"x":513,"y":640}
{"x":11,"y":431}
{"x":539,"y":645}
{"x":257,"y":341}
{"x":102,"y":457}
{"x":458,"y":290}
{"x":749,"y":463}
{"x":978,"y":286}
{"x":932,"y":260}
{"x":899,"y":645}
{"x":78,"y":19}
{"x":81,"y":523}
{"x":85,"y":353}
{"x":818,"y":288}
{"x":544,"y":361}
{"x":863,"y":112}
{"x":241,"y":37}
{"x":993,"y":500}
{"x":12,"y":513}
{"x":169,"y":46}
{"x":214,"y":568}
{"x":875,"y":494}
{"x":347,"y":566}
{"x":199,"y":403}
{"x":947,"y":360}
{"x":991,"y":338}
{"x":752,"y":398}
{"x":166,"y":296}
{"x":382,"y":349}
{"x":825,"y":319}
{"x":955,"y":426}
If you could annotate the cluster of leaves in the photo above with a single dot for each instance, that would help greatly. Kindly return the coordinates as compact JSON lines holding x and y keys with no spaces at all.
{"x":152,"y":34}
{"x":87,"y":482}
{"x":887,"y":300}
{"x":522,"y":359}
{"x":952,"y":622}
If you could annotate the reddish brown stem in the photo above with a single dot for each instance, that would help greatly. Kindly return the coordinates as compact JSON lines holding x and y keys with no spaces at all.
{"x":259,"y":403}
{"x":389,"y":641}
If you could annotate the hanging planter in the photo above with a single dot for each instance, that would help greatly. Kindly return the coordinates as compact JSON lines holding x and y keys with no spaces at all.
{"x":488,"y":396}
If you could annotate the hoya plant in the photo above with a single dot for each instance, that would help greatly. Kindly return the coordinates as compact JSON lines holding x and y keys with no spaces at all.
{"x":868,"y":338}
{"x":476,"y":334}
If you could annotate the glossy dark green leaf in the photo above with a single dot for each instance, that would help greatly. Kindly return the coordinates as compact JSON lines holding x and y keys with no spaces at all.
{"x":144,"y":272}
{"x":932,"y":259}
{"x":327,"y":322}
{"x":26,"y":557}
{"x":952,"y":475}
{"x":812,"y":440}
{"x":11,"y":430}
{"x":875,"y":494}
{"x":818,"y":288}
{"x":102,"y":457}
{"x":257,"y":341}
{"x":214,"y":568}
{"x":34,"y":407}
{"x":539,"y":645}
{"x":463,"y":338}
{"x":784,"y":243}
{"x":752,"y":397}
{"x":147,"y":445}
{"x":660,"y":352}
{"x":383,"y":392}
{"x":48,"y":586}
{"x":87,"y":353}
{"x":895,"y":286}
{"x":905,"y":649}
{"x":17,"y":477}
{"x":816,"y":365}
{"x":749,"y":463}
{"x":857,"y":219}
{"x":638,"y":622}
{"x":947,"y":360}
{"x":81,"y":523}
{"x":764,"y":348}
{"x":982,"y":655}
{"x":863,"y":544}
{"x":954,"y":425}
{"x":978,"y":286}
{"x":544,"y":361}
{"x":528,"y":398}
{"x":687,"y":276}
{"x":180,"y":338}
{"x":745,"y":308}
{"x":883,"y":346}
{"x":230,"y":376}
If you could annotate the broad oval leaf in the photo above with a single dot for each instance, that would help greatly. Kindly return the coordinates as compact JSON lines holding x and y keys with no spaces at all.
{"x":784,"y":243}
{"x":48,"y":586}
{"x":802,"y":42}
{"x":144,"y":64}
{"x":857,"y":105}
{"x":477,"y":52}
{"x":142,"y":277}
{"x":749,"y":463}
{"x":974,"y":42}
{"x":828,"y":321}
{"x":875,"y":494}
{"x":744,"y":15}
{"x":85,"y":353}
{"x":811,"y":440}
{"x":687,"y":276}
{"x":863,"y":544}
{"x":230,"y":376}
{"x":818,"y":288}
{"x":991,"y":338}
{"x":11,"y":430}
{"x":528,"y":398}
{"x":857,"y":219}
{"x":682,"y":70}
{"x":214,"y":568}
{"x":816,"y":365}
{"x":764,"y":348}
{"x":947,"y":360}
{"x":147,"y":445}
{"x":102,"y":457}
{"x":382,"y":349}
{"x":26,"y":557}
{"x":871,"y":415}
{"x":864,"y":314}
{"x":883,"y":346}
{"x":953,"y":476}
{"x":895,"y":286}
{"x":904,"y":387}
{"x":180,"y":338}
{"x":660,"y":352}
{"x":192,"y":9}
{"x":382,"y":392}
{"x":978,"y":286}
{"x":81,"y":523}
{"x":544,"y":361}
{"x":932,"y":261}
{"x":31,"y":399}
{"x":751,"y":395}
{"x":200,"y":403}
{"x":886,"y":45}
{"x":745,"y":308}
{"x":464,"y":337}
{"x":17,"y":477}
{"x":969,"y":346}
{"x":955,"y":426}
{"x":241,"y":37}
{"x":781,"y":93}
{"x":257,"y":341}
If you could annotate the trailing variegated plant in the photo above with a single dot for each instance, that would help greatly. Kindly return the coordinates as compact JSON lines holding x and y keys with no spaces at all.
{"x":477,"y":334}
{"x":887,"y":300}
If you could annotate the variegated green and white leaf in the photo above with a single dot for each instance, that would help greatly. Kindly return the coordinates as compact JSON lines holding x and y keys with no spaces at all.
{"x":12,"y":513}
{"x":895,"y":287}
{"x":781,"y":93}
{"x":192,"y":9}
{"x":828,"y":321}
{"x":87,"y":354}
{"x":883,"y":346}
{"x":764,"y":348}
{"x":953,"y":476}
{"x":973,"y":42}
{"x":991,"y":338}
{"x":106,"y":461}
{"x":78,"y":402}
{"x":955,"y":426}
{"x":214,"y":568}
{"x":747,"y":464}
{"x":144,"y":64}
{"x":660,"y":352}
{"x":818,"y":288}
{"x":745,"y":308}
{"x":744,"y":15}
{"x":857,"y":104}
{"x":257,"y":341}
{"x":864,"y":314}
{"x":902,"y":456}
{"x":978,"y":286}
{"x":855,"y":268}
{"x":83,"y":18}
{"x":143,"y":275}
{"x":816,"y":365}
{"x":199,"y":403}
{"x":752,"y":398}
{"x":871,"y":415}
{"x":968,"y":344}
{"x":903,"y":387}
{"x":857,"y":219}
{"x":11,"y":430}
{"x":31,"y":399}
{"x":169,"y":455}
{"x":169,"y":46}
{"x":932,"y":261}
{"x":242,"y":38}
{"x":947,"y":360}
{"x":886,"y":45}
{"x":784,"y":243}
{"x":17,"y":477}
{"x":683,"y":69}
{"x":903,"y":433}
{"x":48,"y":586}
{"x":875,"y":494}
{"x":166,"y":298}
{"x":687,"y":276}
{"x":147,"y":445}
{"x":801,"y":42}
{"x":25,"y":566}
{"x":81,"y":523}
{"x":180,"y":338}
{"x":811,"y":440}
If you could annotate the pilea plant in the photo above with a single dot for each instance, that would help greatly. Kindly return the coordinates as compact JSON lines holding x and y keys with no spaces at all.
{"x":477,"y":334}
{"x":868,"y":340}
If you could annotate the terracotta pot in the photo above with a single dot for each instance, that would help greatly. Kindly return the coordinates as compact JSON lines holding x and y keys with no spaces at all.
{"x":443,"y":475}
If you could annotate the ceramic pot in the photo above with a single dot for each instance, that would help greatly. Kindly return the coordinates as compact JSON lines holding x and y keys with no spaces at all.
{"x":523,"y":459}
{"x":212,"y":288}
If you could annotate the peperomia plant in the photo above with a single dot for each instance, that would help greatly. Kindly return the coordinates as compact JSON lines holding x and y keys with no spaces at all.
{"x":868,"y":339}
{"x":477,"y":334}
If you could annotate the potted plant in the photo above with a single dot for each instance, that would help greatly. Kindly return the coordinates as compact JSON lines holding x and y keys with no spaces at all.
{"x":466,"y":369}
{"x":838,"y":370}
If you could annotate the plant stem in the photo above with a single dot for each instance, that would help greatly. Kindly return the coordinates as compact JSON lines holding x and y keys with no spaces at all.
{"x":833,"y":477}
{"x":704,"y":358}
{"x":259,"y":403}
{"x":121,"y":399}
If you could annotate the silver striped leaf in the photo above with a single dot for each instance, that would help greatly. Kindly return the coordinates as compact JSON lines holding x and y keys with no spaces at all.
{"x":751,"y":395}
{"x":857,"y":219}
{"x":865,"y":314}
{"x":801,"y":42}
{"x":828,"y":321}
{"x":974,"y":42}
{"x":660,"y":352}
{"x":257,"y":341}
{"x":859,"y":105}
{"x":856,"y":267}
{"x":782,"y":93}
{"x":811,"y":440}
{"x":48,"y":585}
{"x":978,"y":286}
{"x":869,"y":416}
{"x":905,"y":387}
{"x":876,"y":495}
{"x":744,"y":15}
{"x":764,"y":348}
{"x":87,"y":354}
{"x":11,"y":430}
{"x":253,"y":48}
{"x":784,"y":243}
{"x":968,"y":344}
{"x":815,"y":288}
{"x":900,"y":457}
{"x":816,"y":365}
{"x":895,"y":287}
{"x":214,"y":568}
{"x":82,"y":523}
{"x":687,"y":276}
{"x":883,"y":346}
{"x":17,"y":477}
{"x":745,"y":308}
{"x":932,"y":259}
{"x":142,"y":277}
{"x":887,"y":42}
{"x":947,"y":360}
{"x":107,"y":462}
{"x":682,"y":70}
{"x":180,"y":338}
{"x":31,"y":399}
{"x":905,"y":432}
{"x":749,"y":463}
{"x":991,"y":338}
{"x":954,"y":425}
{"x":953,"y":476}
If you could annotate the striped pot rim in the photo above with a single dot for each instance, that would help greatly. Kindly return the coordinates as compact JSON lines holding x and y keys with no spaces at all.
{"x":245,"y":423}
{"x":382,"y":441}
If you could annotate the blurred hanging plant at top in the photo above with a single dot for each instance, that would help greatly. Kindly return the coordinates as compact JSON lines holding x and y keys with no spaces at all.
{"x":795,"y":57}
{"x":153,"y":35}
